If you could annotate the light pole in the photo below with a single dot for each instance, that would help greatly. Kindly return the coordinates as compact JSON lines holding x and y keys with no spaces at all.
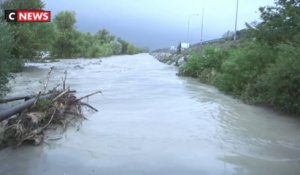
{"x":189,"y":20}
{"x":201,"y":40}
{"x":188,"y":32}
{"x":236,"y":19}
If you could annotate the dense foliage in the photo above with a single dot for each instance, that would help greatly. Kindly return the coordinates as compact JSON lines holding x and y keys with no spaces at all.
{"x":205,"y":65}
{"x":70,"y":43}
{"x":264,"y":66}
{"x":7,"y":63}
{"x":30,"y":38}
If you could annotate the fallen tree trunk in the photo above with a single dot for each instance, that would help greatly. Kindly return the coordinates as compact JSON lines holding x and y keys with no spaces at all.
{"x":7,"y":100}
{"x":16,"y":98}
{"x":19,"y":108}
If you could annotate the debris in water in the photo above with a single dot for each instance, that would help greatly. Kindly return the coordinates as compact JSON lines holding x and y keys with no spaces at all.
{"x":27,"y":122}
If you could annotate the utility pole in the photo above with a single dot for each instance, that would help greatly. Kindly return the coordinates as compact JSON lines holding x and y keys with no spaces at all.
{"x":201,"y":40}
{"x":188,"y":32}
{"x":189,"y":22}
{"x":236,"y":19}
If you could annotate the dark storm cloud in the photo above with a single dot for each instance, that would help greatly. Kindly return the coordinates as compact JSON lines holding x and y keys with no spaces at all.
{"x":159,"y":23}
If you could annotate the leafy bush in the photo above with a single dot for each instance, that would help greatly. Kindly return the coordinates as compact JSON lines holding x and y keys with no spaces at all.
{"x":280,"y":85}
{"x":132,"y":50}
{"x":205,"y":64}
{"x":99,"y":51}
{"x":240,"y":71}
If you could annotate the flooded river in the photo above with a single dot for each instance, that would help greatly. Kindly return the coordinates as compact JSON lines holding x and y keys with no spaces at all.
{"x":152,"y":122}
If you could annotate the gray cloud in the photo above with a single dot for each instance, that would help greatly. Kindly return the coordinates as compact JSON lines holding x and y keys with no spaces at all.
{"x":159,"y":23}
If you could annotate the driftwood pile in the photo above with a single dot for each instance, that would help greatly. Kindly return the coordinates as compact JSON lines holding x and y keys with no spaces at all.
{"x":27,"y":122}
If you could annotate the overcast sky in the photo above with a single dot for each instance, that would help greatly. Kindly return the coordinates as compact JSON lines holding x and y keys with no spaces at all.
{"x":159,"y":23}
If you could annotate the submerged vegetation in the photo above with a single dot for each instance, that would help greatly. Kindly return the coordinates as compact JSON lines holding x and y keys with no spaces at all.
{"x":263,"y":66}
{"x":29,"y":121}
{"x":59,"y":39}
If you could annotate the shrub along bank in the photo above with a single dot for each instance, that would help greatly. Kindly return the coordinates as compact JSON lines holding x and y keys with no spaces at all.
{"x":261,"y":68}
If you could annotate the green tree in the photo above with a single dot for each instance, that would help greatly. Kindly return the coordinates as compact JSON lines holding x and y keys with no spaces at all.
{"x":65,"y":21}
{"x":24,"y":4}
{"x":281,"y":23}
{"x":66,"y":45}
{"x":7,"y":63}
{"x":124,"y":45}
{"x":31,"y":38}
{"x":66,"y":41}
{"x":84,"y":43}
{"x":116,"y":46}
{"x":103,"y":36}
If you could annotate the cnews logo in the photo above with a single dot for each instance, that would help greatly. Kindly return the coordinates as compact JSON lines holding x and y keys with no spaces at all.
{"x":27,"y":16}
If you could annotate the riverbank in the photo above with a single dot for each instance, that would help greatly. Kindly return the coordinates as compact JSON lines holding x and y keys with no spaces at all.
{"x":174,"y":59}
{"x":250,"y":71}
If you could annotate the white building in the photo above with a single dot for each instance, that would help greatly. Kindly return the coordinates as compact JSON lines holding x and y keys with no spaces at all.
{"x":183,"y":46}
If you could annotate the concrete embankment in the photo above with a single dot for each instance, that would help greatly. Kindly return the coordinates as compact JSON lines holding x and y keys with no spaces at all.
{"x":171,"y":58}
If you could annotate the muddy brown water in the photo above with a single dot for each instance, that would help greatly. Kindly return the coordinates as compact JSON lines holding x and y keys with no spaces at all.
{"x":152,"y":122}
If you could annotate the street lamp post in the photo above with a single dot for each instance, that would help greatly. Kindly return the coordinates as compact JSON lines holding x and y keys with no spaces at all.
{"x":188,"y":32}
{"x":201,"y":41}
{"x":236,"y":19}
{"x":189,"y":21}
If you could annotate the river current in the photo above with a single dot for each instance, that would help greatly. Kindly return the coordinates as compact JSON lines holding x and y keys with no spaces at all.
{"x":152,"y":122}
